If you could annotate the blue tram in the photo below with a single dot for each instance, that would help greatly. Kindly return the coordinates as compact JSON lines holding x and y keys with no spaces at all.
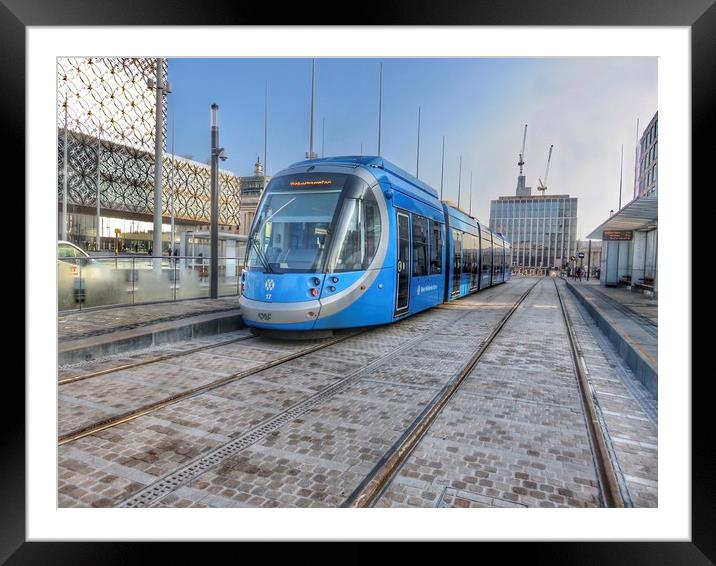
{"x":356,"y":241}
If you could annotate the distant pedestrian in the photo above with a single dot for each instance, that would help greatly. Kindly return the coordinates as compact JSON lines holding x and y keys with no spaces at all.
{"x":579,"y":273}
{"x":136,"y":248}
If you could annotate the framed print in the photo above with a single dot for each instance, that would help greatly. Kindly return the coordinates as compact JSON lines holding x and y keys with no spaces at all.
{"x":373,"y":215}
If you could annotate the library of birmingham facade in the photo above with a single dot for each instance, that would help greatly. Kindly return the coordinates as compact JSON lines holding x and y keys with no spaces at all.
{"x":106,"y":132}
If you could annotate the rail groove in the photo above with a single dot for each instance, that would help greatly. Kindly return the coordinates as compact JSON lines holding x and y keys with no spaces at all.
{"x":162,"y":358}
{"x":604,"y":458}
{"x":383,"y":472}
{"x":173,"y":481}
{"x":150,"y":408}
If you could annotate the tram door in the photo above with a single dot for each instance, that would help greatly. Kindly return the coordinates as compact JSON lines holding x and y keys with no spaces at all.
{"x":403,"y":264}
{"x":457,"y":261}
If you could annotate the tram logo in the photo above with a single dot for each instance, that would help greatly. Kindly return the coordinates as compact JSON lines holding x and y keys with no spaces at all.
{"x":270,"y":284}
{"x":426,"y":288}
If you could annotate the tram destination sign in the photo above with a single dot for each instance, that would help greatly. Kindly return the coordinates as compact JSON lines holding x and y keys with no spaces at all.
{"x":617,"y":235}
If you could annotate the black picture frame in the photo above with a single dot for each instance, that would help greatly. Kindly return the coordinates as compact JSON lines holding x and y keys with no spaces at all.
{"x":699,"y":15}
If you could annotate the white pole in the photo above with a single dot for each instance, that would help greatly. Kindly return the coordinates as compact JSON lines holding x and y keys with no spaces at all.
{"x":157,"y":236}
{"x":99,"y":163}
{"x":380,"y":105}
{"x":64,"y":177}
{"x":470,"y":193}
{"x":442,"y":170}
{"x":265,"y":135}
{"x":417,"y":163}
{"x":313,"y":88}
{"x":171,"y":185}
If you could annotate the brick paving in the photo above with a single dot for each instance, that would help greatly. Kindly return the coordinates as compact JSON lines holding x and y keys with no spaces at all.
{"x":513,"y":436}
{"x":514,"y":432}
{"x":80,"y":324}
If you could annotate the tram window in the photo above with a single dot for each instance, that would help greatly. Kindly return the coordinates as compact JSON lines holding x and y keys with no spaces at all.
{"x":420,"y":245}
{"x":357,"y":234}
{"x":486,"y":257}
{"x":467,"y":240}
{"x":436,"y":248}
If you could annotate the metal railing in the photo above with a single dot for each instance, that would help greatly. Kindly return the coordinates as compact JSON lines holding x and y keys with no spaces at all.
{"x":136,"y":279}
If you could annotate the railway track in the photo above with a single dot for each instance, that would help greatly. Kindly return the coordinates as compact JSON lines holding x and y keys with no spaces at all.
{"x":161,"y":358}
{"x":155,"y":406}
{"x":612,"y":490}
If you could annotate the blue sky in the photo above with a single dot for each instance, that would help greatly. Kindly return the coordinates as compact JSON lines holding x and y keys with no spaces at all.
{"x":586,"y":107}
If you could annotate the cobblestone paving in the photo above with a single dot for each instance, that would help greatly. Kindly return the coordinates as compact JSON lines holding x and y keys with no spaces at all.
{"x":105,"y":468}
{"x":629,"y":411}
{"x":80,"y":324}
{"x":514,"y":433}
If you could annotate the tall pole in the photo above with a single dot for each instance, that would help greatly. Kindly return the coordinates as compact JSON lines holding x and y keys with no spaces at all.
{"x":64,"y":177}
{"x":621,"y":169}
{"x":214,"y":231}
{"x":380,"y":104}
{"x":589,"y":260}
{"x":636,"y":160}
{"x":157,"y":239}
{"x":470,"y":193}
{"x":265,"y":134}
{"x":98,"y":242}
{"x":442,"y":170}
{"x":172,"y":188}
{"x":459,"y":182}
{"x":313,"y":88}
{"x":323,"y":139}
{"x":361,"y":148}
{"x":417,"y":164}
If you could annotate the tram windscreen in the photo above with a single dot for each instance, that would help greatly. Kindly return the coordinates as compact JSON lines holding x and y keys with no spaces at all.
{"x":292,"y":229}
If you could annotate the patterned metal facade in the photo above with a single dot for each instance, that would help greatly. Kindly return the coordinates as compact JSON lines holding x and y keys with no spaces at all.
{"x":109,"y":114}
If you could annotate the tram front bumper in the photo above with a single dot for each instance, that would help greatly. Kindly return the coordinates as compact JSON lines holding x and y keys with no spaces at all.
{"x":273,"y":315}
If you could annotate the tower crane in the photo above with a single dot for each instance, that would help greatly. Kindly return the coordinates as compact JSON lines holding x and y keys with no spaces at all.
{"x":543,"y":186}
{"x":521,"y":162}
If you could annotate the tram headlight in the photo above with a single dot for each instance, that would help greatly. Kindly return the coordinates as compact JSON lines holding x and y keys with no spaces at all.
{"x":316,"y":281}
{"x":314,"y":292}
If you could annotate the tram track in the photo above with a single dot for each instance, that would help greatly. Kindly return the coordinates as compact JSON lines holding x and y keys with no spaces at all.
{"x":155,"y":406}
{"x":161,"y":358}
{"x":377,"y":480}
{"x":612,"y":487}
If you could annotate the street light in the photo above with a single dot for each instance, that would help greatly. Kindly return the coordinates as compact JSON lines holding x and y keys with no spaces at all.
{"x":216,"y":154}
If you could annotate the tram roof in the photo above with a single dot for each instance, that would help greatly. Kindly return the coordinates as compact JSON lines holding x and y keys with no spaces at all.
{"x":372,"y":161}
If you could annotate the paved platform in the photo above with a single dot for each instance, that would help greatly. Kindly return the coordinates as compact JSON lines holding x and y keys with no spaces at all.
{"x":93,"y":334}
{"x":630,"y":321}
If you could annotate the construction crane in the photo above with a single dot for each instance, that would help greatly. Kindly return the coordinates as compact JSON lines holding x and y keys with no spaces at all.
{"x":521,"y":162}
{"x":543,"y":186}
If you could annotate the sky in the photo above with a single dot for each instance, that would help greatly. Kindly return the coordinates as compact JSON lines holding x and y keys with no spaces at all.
{"x":587,"y":107}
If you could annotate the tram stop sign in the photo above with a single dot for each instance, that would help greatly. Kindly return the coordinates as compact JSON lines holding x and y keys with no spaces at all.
{"x":580,"y":255}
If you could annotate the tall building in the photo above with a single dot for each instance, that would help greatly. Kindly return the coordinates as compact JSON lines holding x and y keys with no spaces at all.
{"x":542,"y":229}
{"x":251,"y":188}
{"x":648,"y":171}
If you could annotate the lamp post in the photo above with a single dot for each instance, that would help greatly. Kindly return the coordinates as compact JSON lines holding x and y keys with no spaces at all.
{"x":216,"y":154}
